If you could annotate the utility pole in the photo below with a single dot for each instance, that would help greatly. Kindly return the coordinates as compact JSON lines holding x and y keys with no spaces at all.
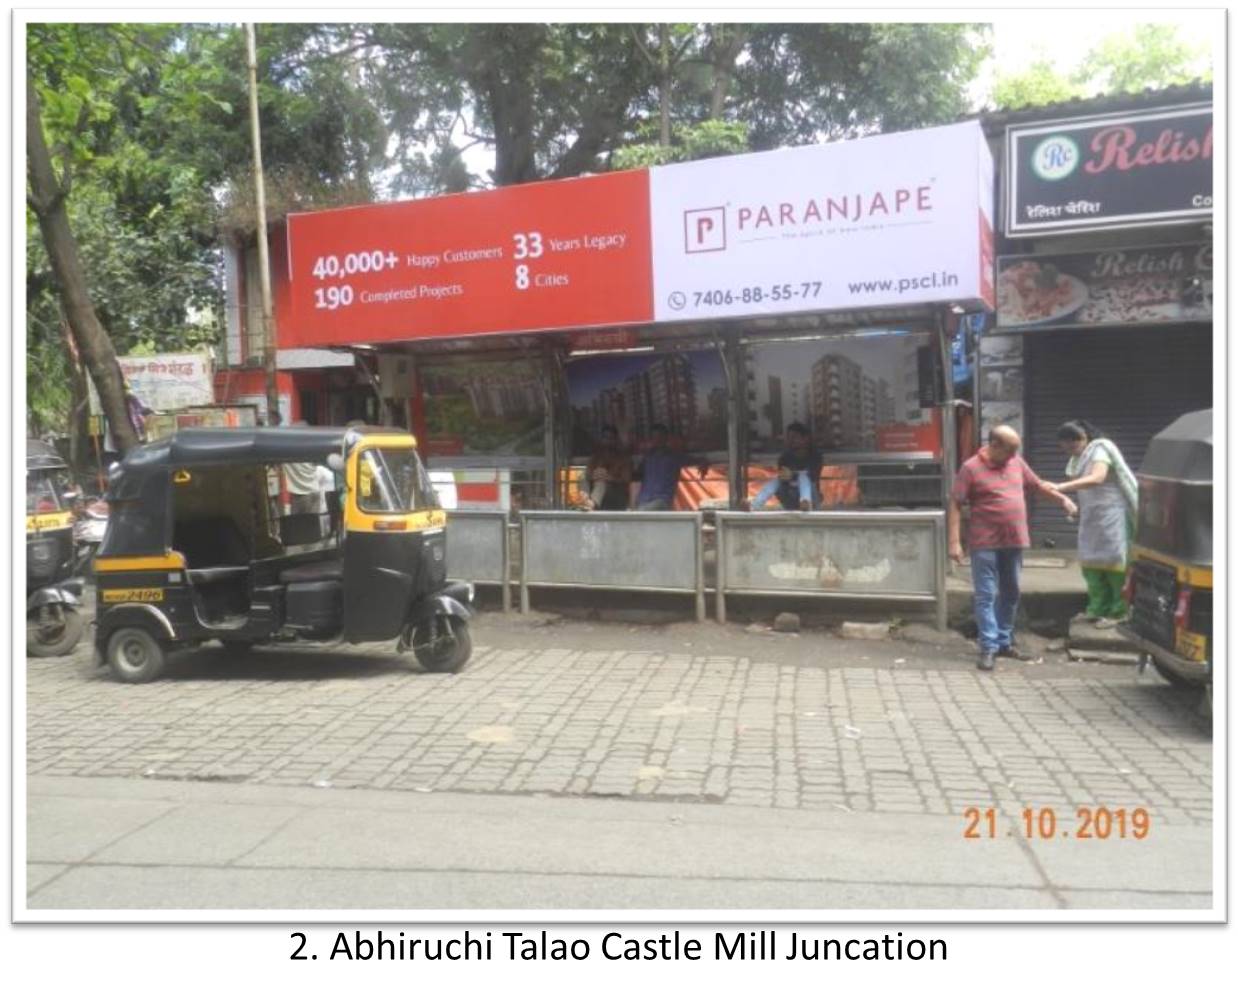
{"x":264,"y":252}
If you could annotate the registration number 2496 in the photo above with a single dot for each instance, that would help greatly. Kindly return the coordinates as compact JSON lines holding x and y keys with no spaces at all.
{"x":133,"y":595}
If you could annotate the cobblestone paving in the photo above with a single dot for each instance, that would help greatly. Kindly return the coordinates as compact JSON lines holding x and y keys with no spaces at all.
{"x":672,"y":726}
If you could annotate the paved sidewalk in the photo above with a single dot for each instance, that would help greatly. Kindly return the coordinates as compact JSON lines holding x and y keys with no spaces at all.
{"x":126,"y":844}
{"x":713,"y":715}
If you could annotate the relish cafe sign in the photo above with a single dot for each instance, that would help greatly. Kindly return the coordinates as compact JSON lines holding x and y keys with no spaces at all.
{"x":889,"y":221}
{"x":1119,"y":171}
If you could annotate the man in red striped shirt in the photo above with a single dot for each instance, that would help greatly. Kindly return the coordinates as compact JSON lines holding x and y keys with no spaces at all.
{"x":994,"y":484}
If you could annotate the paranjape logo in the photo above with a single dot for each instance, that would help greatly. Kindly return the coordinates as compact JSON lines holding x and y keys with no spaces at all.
{"x":704,"y":229}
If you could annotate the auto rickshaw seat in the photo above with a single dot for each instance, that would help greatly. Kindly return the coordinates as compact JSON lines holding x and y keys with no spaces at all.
{"x":208,"y":575}
{"x":318,"y":570}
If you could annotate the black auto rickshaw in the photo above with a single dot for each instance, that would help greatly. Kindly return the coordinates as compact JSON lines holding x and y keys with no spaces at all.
{"x":54,"y":621}
{"x":1169,"y":586}
{"x":196,"y":549}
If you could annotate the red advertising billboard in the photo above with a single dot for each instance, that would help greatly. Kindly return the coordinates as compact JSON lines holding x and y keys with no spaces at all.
{"x":562,"y":254}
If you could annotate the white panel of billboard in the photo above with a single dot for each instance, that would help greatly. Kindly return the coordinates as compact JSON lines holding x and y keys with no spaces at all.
{"x":889,"y":221}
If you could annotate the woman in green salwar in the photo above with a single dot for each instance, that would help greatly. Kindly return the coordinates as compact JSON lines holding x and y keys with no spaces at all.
{"x":1108,"y":497}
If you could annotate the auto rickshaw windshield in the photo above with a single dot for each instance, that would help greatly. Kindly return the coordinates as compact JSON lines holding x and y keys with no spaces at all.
{"x":392,"y":479}
{"x":42,"y":493}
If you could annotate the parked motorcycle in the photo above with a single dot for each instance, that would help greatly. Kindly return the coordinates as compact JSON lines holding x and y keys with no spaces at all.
{"x":88,"y":528}
{"x":54,"y":620}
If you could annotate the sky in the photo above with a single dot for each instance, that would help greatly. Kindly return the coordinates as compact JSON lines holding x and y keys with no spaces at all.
{"x":1019,"y":38}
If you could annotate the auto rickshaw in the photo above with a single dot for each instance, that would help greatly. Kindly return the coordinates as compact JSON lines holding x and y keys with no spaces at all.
{"x":196,"y":549}
{"x":54,"y":621}
{"x":1169,"y":586}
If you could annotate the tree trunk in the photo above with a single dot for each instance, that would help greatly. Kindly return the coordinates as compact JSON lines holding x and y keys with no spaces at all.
{"x":47,"y":198}
{"x":726,"y":51}
{"x":664,"y":86}
{"x":79,"y":410}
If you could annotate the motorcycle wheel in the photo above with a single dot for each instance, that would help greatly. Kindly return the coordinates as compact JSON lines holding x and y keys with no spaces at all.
{"x":53,"y":630}
{"x":442,"y":645}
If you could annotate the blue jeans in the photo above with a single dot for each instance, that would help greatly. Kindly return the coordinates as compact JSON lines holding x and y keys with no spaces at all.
{"x":995,"y":581}
{"x":774,"y":483}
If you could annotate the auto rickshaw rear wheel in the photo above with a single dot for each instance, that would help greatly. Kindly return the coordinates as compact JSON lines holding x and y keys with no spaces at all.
{"x":442,"y":645}
{"x":134,"y":656}
{"x":53,"y":630}
{"x":1169,"y":675}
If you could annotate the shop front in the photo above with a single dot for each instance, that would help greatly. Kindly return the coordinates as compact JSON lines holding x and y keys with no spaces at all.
{"x":723,"y":300}
{"x":1104,"y":282}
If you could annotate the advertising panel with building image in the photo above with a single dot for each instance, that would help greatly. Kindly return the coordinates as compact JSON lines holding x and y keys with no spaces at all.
{"x":490,"y":408}
{"x":857,"y":395}
{"x":685,"y":391}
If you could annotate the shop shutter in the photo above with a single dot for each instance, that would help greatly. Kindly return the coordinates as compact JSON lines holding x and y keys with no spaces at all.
{"x":1130,"y":383}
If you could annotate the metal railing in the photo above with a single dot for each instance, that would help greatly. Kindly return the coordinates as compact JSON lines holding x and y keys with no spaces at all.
{"x":478,"y":550}
{"x":894,"y":556}
{"x":626,"y":551}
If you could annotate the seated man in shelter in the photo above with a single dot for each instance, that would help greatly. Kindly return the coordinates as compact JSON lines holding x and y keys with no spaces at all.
{"x":608,"y":473}
{"x":658,"y":472}
{"x":799,"y":474}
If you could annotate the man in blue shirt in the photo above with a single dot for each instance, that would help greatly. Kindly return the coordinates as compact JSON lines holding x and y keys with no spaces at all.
{"x":659,"y":472}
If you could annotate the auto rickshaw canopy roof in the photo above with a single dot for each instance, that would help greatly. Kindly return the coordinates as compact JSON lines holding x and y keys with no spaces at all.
{"x":1182,"y":451}
{"x":140,"y":486}
{"x":43,"y":456}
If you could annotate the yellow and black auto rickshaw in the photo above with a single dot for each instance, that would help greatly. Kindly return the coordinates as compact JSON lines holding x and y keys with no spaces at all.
{"x":1169,"y":586}
{"x":54,"y":621}
{"x":196,"y":549}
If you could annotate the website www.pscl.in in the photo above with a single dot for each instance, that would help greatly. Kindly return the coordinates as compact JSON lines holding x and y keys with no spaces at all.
{"x":904,"y":285}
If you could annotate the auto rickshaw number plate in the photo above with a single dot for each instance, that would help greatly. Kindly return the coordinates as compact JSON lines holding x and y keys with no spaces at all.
{"x":1192,"y":646}
{"x":55,"y":520}
{"x":133,"y":595}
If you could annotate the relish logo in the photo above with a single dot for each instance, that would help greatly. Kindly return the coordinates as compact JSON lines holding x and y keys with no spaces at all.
{"x":1055,"y":158}
{"x":704,"y":230}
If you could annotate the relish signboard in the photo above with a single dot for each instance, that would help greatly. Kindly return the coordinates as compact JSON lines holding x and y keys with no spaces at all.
{"x":562,"y":254}
{"x":1152,"y":168}
{"x":1153,"y":285}
{"x":887,"y":221}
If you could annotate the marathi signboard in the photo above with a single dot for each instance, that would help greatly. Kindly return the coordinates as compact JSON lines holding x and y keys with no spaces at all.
{"x":167,"y":382}
{"x":890,"y":221}
{"x":1118,"y":171}
{"x":1106,"y":287}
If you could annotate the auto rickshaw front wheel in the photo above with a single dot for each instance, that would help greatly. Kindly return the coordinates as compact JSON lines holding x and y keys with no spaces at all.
{"x":442,"y":645}
{"x":134,"y":656}
{"x":53,"y":630}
